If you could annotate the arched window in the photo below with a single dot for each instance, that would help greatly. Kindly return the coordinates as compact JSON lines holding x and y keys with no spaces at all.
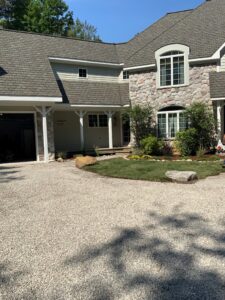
{"x":172,"y":62}
{"x":170,"y":121}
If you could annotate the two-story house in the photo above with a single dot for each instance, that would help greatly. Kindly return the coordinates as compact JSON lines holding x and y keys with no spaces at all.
{"x":66,"y":95}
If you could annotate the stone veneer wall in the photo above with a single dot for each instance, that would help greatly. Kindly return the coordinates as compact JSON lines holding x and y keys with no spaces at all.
{"x":51,"y":144}
{"x":143,"y":89}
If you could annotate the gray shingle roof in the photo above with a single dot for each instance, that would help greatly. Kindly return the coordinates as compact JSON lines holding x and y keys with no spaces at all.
{"x":25,"y":69}
{"x":94,"y":93}
{"x":202,"y":29}
{"x":217,"y":84}
{"x":25,"y":66}
{"x":140,"y":40}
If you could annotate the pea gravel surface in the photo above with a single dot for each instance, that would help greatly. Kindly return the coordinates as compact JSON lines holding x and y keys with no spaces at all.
{"x":69,"y":234}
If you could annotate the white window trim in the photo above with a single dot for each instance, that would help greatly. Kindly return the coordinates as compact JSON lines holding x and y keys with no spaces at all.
{"x":185,"y":53}
{"x":97,"y":114}
{"x":171,"y":57}
{"x":125,"y":71}
{"x":178,"y":112}
{"x":80,"y":68}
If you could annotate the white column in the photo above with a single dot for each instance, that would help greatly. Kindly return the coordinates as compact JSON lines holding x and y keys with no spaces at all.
{"x":82,"y":130}
{"x":110,"y":128}
{"x":45,"y":133}
{"x":110,"y":114}
{"x":81,"y":115}
{"x":121,"y":129}
{"x":219,"y":121}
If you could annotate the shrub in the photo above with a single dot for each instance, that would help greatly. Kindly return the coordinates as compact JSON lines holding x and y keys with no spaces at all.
{"x":137,"y":151}
{"x":167,"y":149}
{"x":140,"y":157}
{"x":186,"y":142}
{"x":140,"y":122}
{"x":134,"y":157}
{"x":151,"y":145}
{"x":201,"y":118}
{"x":200,"y":152}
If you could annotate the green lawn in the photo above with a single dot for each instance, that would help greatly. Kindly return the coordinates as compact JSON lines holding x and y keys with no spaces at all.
{"x":152,"y":170}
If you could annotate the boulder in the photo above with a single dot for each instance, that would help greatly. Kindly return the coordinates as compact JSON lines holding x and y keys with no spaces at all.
{"x":60,"y":159}
{"x":182,"y":176}
{"x":85,"y":161}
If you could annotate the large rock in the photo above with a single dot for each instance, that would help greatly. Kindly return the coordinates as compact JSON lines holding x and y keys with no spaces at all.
{"x":85,"y":161}
{"x":182,"y":176}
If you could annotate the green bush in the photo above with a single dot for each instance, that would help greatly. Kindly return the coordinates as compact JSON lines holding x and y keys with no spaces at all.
{"x":151,"y":145}
{"x":186,"y":142}
{"x":167,"y":149}
{"x":201,"y":118}
{"x":200,"y":152}
{"x":141,"y":123}
{"x":137,"y":151}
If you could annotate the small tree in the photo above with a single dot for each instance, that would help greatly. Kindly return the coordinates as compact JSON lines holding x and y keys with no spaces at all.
{"x":140,"y":122}
{"x":201,"y":132}
{"x":201,"y":118}
{"x":83,"y":31}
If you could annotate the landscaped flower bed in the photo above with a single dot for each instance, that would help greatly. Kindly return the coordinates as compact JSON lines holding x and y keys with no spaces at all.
{"x":208,"y":157}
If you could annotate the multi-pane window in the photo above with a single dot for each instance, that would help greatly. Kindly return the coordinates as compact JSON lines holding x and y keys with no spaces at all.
{"x":125,"y":75}
{"x":162,"y":125}
{"x":172,"y":68}
{"x":103,"y":120}
{"x":170,"y":122}
{"x":93,"y":120}
{"x":82,"y":73}
{"x":98,"y":120}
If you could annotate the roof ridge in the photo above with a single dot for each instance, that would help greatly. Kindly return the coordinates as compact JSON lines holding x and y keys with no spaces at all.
{"x":191,"y":12}
{"x":157,"y":21}
{"x":179,"y":11}
{"x":57,"y":36}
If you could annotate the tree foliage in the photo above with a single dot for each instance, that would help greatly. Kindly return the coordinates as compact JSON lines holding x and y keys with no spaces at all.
{"x":140,"y":122}
{"x":201,"y":118}
{"x":187,"y":142}
{"x":5,"y":8}
{"x":151,"y":145}
{"x":44,"y":16}
{"x":83,"y":31}
{"x":201,"y":131}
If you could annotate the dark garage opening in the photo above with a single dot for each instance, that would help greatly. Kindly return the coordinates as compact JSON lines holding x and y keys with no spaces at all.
{"x":17,"y":137}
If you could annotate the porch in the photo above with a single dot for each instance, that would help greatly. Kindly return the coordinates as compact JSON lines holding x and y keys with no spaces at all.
{"x":90,"y":131}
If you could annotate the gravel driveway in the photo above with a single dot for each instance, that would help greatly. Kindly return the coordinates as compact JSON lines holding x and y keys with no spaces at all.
{"x":68,"y":234}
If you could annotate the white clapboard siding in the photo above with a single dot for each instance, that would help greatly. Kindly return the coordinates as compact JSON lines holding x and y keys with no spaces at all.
{"x":222,"y":64}
{"x":70,"y":72}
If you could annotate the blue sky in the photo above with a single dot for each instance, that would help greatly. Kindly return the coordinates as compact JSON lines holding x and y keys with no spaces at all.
{"x":120,"y":20}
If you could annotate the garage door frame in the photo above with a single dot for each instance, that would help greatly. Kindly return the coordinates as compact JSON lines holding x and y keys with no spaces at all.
{"x":35,"y":126}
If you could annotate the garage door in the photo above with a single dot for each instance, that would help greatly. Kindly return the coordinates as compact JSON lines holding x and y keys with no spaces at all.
{"x":17,"y":137}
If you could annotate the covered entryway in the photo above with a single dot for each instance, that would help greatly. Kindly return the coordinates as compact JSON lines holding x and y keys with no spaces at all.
{"x":17,"y":137}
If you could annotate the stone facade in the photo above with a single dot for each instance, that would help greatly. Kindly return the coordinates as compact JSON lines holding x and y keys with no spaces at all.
{"x":143,"y":89}
{"x":51,"y":144}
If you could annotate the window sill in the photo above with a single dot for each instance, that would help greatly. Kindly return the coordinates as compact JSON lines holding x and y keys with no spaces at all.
{"x":98,"y":127}
{"x":171,"y":86}
{"x":168,"y":139}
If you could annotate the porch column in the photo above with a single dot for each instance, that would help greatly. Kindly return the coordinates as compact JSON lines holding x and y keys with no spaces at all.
{"x":44,"y":111}
{"x":81,"y":115}
{"x":110,"y":128}
{"x":219,"y":128}
{"x":45,"y":133}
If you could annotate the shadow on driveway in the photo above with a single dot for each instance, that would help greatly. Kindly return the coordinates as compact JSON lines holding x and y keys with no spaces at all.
{"x":8,"y":174}
{"x":169,"y":270}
